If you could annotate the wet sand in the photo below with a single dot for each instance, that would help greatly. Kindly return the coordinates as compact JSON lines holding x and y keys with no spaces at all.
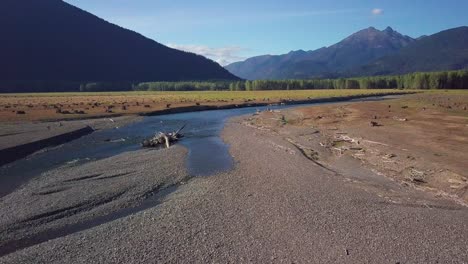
{"x":21,"y":139}
{"x":278,"y":205}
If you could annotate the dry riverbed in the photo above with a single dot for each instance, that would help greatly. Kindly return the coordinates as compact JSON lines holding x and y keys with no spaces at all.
{"x":419,"y":140}
{"x":70,"y":195}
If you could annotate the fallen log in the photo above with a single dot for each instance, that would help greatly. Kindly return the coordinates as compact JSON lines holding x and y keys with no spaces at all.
{"x":161,"y":139}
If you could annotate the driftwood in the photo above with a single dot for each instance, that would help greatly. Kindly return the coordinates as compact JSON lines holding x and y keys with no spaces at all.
{"x":375,"y":124}
{"x":163,"y":139}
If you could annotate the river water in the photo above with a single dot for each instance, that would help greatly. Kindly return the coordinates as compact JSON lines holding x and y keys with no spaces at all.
{"x":207,"y":153}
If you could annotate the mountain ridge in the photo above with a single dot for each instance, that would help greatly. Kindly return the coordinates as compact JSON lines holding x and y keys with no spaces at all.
{"x":444,"y":51}
{"x":357,"y":49}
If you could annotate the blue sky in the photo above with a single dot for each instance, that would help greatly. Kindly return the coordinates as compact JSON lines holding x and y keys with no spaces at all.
{"x":232,"y":30}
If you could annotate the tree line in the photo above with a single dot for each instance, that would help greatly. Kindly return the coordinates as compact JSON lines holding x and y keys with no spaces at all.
{"x":182,"y":86}
{"x":418,"y":80}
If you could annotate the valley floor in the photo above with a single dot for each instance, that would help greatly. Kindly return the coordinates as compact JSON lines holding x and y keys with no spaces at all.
{"x":16,"y":108}
{"x":303,"y":190}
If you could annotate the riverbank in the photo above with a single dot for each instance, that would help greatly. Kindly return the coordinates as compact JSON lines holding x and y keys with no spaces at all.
{"x":418,"y":140}
{"x":278,"y":205}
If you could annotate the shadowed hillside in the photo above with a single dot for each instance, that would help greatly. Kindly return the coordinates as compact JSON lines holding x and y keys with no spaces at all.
{"x":52,"y":41}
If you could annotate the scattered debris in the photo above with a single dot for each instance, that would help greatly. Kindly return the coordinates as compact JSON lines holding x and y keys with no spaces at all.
{"x":400,"y":119}
{"x":163,"y":139}
{"x":348,"y":139}
{"x":375,"y":124}
{"x":283,"y":120}
{"x":60,"y":111}
{"x":115,"y":140}
{"x":416,"y":176}
{"x":418,"y":180}
{"x":356,"y":148}
{"x":375,"y":142}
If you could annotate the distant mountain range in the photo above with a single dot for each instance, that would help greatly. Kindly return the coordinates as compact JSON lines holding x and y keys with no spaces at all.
{"x":446,"y":50}
{"x":50,"y":40}
{"x":367,"y":52}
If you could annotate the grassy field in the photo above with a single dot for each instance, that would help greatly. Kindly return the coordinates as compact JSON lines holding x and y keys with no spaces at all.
{"x":207,"y":95}
{"x":38,"y":106}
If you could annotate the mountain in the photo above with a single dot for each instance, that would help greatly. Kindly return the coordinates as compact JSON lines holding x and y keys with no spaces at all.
{"x":358,"y":49}
{"x":50,"y":40}
{"x":264,"y":67}
{"x":446,"y":50}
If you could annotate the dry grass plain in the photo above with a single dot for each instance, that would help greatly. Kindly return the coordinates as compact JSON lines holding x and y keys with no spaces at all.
{"x":57,"y":106}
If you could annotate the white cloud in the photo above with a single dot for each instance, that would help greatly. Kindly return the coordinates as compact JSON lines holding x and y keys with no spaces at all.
{"x":223,"y":55}
{"x":377,"y":11}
